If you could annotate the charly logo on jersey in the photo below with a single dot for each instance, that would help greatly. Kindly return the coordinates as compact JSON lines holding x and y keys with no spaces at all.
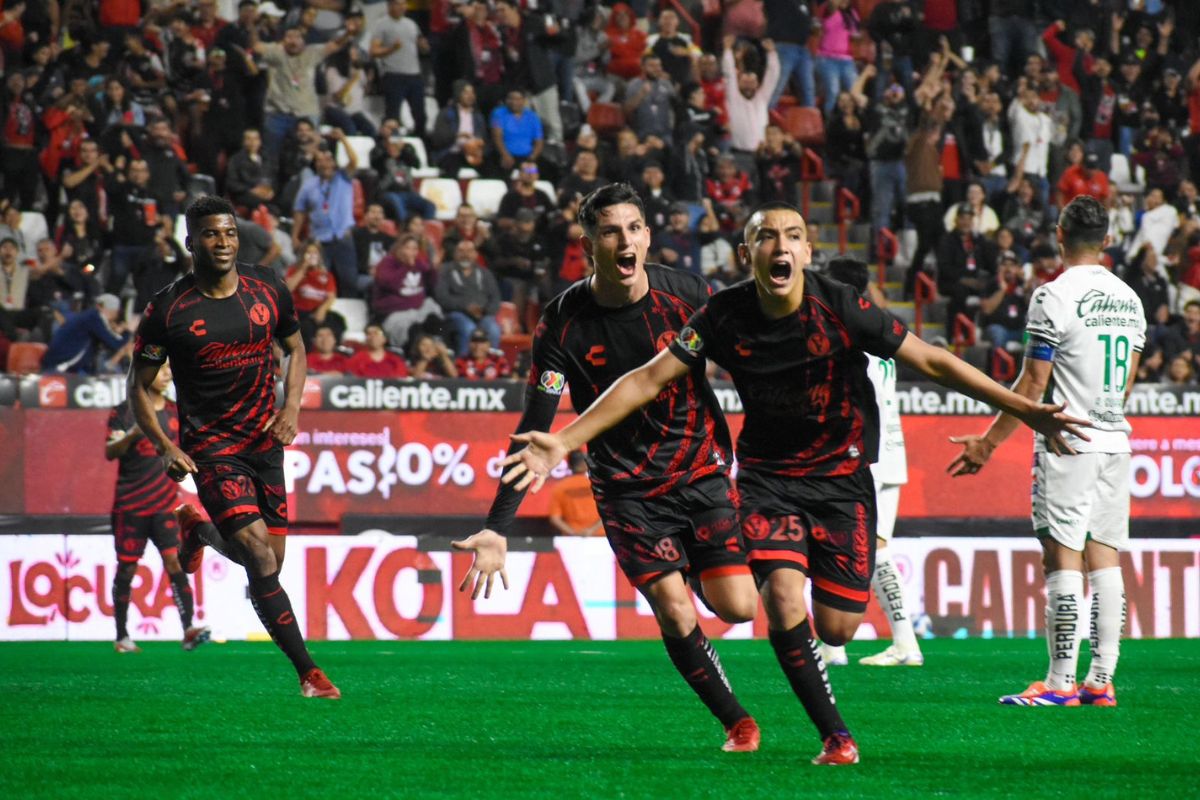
{"x":552,"y":382}
{"x":689,"y":339}
{"x":1095,"y":301}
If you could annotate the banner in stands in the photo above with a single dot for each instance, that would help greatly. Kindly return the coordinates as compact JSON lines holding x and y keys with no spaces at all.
{"x":379,"y":586}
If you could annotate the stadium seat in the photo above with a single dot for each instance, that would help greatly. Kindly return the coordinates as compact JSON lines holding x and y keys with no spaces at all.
{"x":354,"y":311}
{"x":436,"y":231}
{"x":199,"y":184}
{"x":424,"y":170}
{"x":1123,"y":178}
{"x":805,"y":125}
{"x":513,"y":344}
{"x":445,"y":194}
{"x":25,"y":358}
{"x":181,"y":232}
{"x":606,"y":118}
{"x":549,"y":189}
{"x":362,"y":147}
{"x":484,"y":195}
{"x":507,"y":319}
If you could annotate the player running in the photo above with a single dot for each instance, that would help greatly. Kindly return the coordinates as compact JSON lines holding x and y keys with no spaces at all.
{"x":1086,"y":331}
{"x":217,"y":324}
{"x":141,"y":510}
{"x":661,"y":478}
{"x":793,"y":340}
{"x":889,"y":473}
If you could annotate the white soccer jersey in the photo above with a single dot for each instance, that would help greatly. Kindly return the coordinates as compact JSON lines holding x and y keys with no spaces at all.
{"x":892,"y":467}
{"x":1094,"y":322}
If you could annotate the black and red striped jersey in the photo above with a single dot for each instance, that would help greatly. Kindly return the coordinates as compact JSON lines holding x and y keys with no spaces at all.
{"x":677,"y":438}
{"x":809,"y":406}
{"x":221,"y":357}
{"x":143,"y":487}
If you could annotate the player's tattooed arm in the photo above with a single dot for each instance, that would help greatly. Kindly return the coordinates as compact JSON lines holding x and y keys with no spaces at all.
{"x":141,"y":377}
{"x":284,"y":423}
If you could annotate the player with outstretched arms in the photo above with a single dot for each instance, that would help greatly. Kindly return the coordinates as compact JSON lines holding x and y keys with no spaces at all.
{"x":661,"y":478}
{"x":1086,"y":331}
{"x":217,"y":324}
{"x":794,"y":342}
{"x":142,"y":505}
{"x":889,"y":473}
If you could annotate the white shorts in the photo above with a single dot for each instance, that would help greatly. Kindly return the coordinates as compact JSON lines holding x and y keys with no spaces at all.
{"x":887,"y":505}
{"x":1080,"y":497}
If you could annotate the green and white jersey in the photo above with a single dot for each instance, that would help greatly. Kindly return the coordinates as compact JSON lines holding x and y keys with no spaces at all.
{"x":892,"y":467}
{"x":1089,"y":323}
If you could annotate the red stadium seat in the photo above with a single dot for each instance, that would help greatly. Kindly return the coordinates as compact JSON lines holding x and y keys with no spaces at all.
{"x":514,"y":344}
{"x":507,"y":318}
{"x":25,"y":358}
{"x":805,"y":125}
{"x":435,"y":229}
{"x":606,"y":118}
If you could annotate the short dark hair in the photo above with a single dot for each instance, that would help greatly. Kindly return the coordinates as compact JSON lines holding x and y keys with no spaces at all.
{"x":772,"y":205}
{"x":207,"y":205}
{"x":1084,"y":223}
{"x":614,"y":194}
{"x":850,"y":271}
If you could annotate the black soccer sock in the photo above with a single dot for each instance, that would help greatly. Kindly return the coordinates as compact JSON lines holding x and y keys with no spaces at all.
{"x":698,"y":663}
{"x":120,"y":599}
{"x":181,"y":593}
{"x":207,"y":533}
{"x":797,"y":654}
{"x":274,"y":609}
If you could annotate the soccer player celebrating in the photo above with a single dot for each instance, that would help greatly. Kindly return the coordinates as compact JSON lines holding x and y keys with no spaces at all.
{"x":216,"y":324}
{"x":141,"y":510}
{"x":793,"y":341}
{"x":661,"y":478}
{"x":889,"y":473}
{"x":1086,"y":332}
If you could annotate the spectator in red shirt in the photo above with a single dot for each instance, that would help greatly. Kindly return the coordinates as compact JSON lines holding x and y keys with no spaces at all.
{"x":376,"y":361}
{"x":208,"y":24}
{"x":626,"y":43}
{"x":481,"y":362}
{"x":324,"y":357}
{"x":1082,"y":177}
{"x":1070,"y":58}
{"x":314,"y":290}
{"x":729,"y":188}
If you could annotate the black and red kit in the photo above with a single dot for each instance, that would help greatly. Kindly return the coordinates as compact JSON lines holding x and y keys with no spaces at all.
{"x":661,"y":476}
{"x":145,"y":496}
{"x":811,"y":426}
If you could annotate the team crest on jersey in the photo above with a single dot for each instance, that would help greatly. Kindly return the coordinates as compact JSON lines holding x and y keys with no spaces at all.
{"x":259,"y":314}
{"x":818,"y":344}
{"x":552,"y":382}
{"x":689,"y":339}
{"x":664,"y":340}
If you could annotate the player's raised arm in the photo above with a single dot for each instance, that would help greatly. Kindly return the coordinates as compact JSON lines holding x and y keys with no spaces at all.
{"x":634,"y":389}
{"x":949,"y":370}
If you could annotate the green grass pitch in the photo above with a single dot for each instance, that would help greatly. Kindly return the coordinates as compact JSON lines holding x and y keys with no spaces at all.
{"x":574,"y":719}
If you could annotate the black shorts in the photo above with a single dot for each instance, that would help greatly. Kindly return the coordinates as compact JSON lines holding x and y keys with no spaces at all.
{"x":693,"y":529}
{"x":130,"y":532}
{"x":822,"y":526}
{"x":238,"y":490}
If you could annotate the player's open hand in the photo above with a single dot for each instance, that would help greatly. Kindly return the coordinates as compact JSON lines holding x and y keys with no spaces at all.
{"x":1052,"y":421}
{"x":975,"y":453}
{"x":178,"y":464}
{"x":489,"y":548}
{"x":530,"y":466}
{"x":283,"y":425}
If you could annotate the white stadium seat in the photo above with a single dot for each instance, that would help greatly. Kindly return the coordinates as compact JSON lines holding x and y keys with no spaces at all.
{"x":354,"y":311}
{"x":445,"y":194}
{"x":362,"y":146}
{"x":484,"y":195}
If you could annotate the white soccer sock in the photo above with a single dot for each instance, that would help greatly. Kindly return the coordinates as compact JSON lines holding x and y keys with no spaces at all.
{"x":890,"y":594}
{"x":1108,"y":620}
{"x":1064,"y":601}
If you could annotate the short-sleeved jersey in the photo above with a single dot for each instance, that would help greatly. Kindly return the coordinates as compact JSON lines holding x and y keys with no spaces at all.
{"x":1090,"y":323}
{"x":891,"y":468}
{"x":810,"y":409}
{"x":221,"y":356}
{"x":143,"y":487}
{"x":676,"y":439}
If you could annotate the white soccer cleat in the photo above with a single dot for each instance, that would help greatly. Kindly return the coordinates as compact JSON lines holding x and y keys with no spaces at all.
{"x":834,"y":656}
{"x":894,"y":657}
{"x":126,"y":645}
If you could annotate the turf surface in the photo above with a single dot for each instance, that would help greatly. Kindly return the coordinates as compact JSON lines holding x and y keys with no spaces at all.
{"x":573,"y":719}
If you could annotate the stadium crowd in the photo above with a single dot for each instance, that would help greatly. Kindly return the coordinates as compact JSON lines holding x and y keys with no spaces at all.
{"x":413,"y":170}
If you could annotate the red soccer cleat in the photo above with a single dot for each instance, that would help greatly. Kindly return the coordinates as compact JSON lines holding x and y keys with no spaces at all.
{"x":195,"y":636}
{"x":743,"y":737}
{"x":315,"y":684}
{"x":191,"y":549}
{"x":839,"y":749}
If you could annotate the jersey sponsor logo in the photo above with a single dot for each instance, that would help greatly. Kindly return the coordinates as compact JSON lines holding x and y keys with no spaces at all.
{"x":52,"y":392}
{"x":689,"y":339}
{"x":818,"y":344}
{"x":552,"y":382}
{"x":1096,"y":301}
{"x":197,"y":328}
{"x":219,"y":354}
{"x":595,"y":356}
{"x":259,"y":314}
{"x":664,"y":340}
